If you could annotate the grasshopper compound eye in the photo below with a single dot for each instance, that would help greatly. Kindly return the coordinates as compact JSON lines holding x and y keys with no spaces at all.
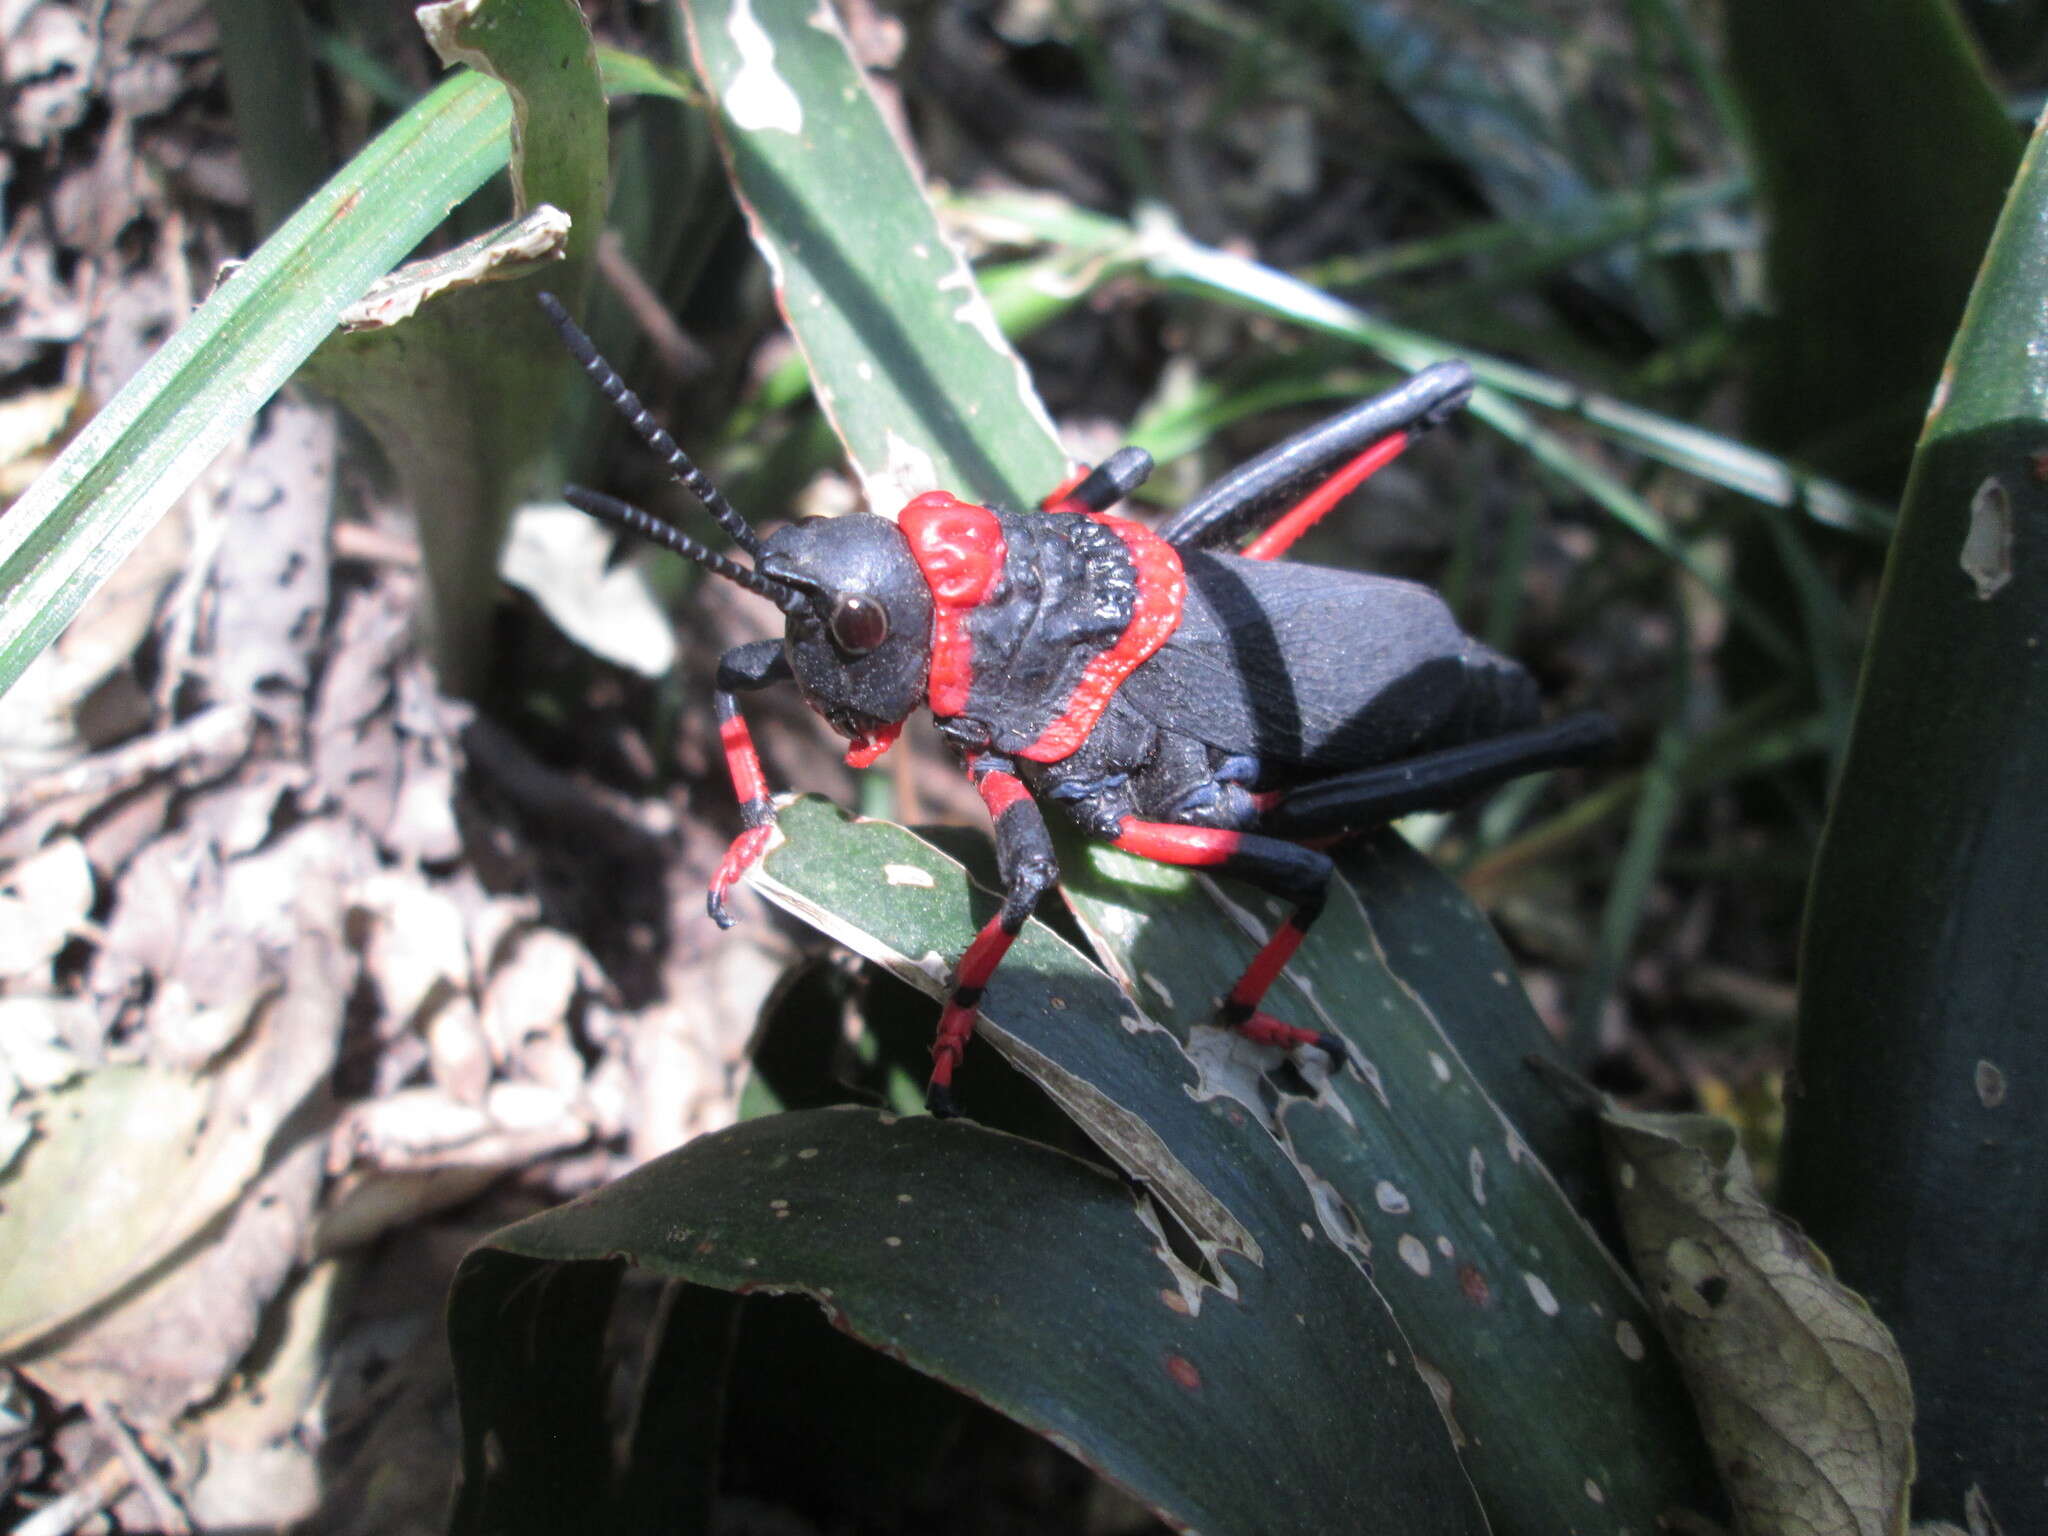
{"x":859,"y":624}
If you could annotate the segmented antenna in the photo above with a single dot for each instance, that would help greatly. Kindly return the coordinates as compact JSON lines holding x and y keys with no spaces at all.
{"x":624,"y":514}
{"x":629,"y":406}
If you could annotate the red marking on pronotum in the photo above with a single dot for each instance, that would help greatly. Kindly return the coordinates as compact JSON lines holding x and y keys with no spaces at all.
{"x":959,"y":547}
{"x":1183,"y":1371}
{"x":870,"y":745}
{"x":1307,"y":512}
{"x":1162,"y":589}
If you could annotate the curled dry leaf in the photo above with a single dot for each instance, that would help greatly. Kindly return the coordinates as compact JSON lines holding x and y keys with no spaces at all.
{"x":562,"y":559}
{"x":1800,"y":1389}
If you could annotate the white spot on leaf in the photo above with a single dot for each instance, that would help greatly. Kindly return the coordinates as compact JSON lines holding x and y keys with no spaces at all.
{"x":1475,"y":1165}
{"x":1990,"y":1084}
{"x":757,"y":97}
{"x":907,"y":470}
{"x":1390,"y":1199}
{"x":1629,"y":1340}
{"x":1440,"y":1067}
{"x":908,"y":874}
{"x":1540,"y":1293}
{"x":1987,"y":547}
{"x":1413,"y":1254}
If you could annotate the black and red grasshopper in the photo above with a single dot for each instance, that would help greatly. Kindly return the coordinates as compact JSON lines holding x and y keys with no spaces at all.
{"x":1187,"y":704}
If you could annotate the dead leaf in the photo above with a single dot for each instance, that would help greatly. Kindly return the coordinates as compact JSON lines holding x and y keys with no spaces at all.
{"x":1800,"y":1389}
{"x":561,"y":558}
{"x":417,"y":946}
{"x":259,"y":1445}
{"x":527,"y":998}
{"x":44,"y":900}
{"x":131,"y":1164}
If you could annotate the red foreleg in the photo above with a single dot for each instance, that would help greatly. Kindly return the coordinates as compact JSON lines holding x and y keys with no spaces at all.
{"x":746,"y":666}
{"x":1024,"y":855}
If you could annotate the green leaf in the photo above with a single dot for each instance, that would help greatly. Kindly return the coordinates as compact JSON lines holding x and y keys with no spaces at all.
{"x":1165,"y":253}
{"x":1882,"y":154}
{"x":1916,"y":1151}
{"x":1520,"y":1313}
{"x":1031,"y":1281}
{"x":459,"y":385}
{"x":904,"y":352}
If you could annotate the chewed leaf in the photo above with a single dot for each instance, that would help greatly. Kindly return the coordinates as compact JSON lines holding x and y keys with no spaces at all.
{"x":1801,"y":1390}
{"x":1427,"y":1156}
{"x":1005,"y":1269}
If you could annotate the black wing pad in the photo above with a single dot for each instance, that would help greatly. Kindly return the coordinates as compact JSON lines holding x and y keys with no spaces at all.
{"x":1253,"y":494}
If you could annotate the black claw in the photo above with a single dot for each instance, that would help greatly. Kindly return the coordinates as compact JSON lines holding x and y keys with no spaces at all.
{"x":938,"y":1099}
{"x":716,"y":908}
{"x":1334,"y":1047}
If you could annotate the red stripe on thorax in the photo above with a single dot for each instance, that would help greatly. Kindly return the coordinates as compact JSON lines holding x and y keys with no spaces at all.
{"x":959,"y":547}
{"x":1162,"y":592}
{"x":1309,"y":511}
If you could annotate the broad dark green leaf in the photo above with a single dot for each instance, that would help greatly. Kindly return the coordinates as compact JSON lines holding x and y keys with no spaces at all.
{"x":1023,"y":1277}
{"x":1522,"y":1316}
{"x":459,"y":394}
{"x":1917,"y":1149}
{"x":1881,"y":155}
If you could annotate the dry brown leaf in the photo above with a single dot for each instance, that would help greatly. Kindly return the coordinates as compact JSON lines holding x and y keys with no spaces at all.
{"x":44,"y":900}
{"x":526,"y":1002}
{"x":131,"y":1164}
{"x":418,"y":944}
{"x":258,"y":1446}
{"x":1800,"y":1389}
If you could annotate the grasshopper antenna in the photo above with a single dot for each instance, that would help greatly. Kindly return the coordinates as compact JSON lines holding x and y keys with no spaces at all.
{"x":623,"y":514}
{"x":650,"y":432}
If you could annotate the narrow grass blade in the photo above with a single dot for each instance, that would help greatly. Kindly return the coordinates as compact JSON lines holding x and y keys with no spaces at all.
{"x":131,"y":463}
